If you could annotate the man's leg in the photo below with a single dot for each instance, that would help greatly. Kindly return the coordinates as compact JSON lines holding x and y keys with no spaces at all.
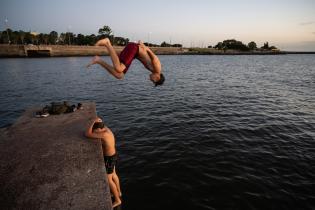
{"x":109,"y":68}
{"x":116,"y":180}
{"x":118,"y":66}
{"x":114,"y":190}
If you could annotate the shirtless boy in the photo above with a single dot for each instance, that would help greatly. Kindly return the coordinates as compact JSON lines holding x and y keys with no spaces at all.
{"x":97,"y":130}
{"x":122,"y":62}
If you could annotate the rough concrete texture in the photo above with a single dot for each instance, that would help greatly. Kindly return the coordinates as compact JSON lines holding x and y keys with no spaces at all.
{"x":48,"y":163}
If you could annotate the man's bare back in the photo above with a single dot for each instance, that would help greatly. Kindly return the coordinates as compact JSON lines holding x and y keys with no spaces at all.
{"x":108,"y":142}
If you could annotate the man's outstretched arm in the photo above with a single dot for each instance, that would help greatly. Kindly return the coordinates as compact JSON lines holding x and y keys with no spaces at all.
{"x":89,"y":130}
{"x":156,"y":64}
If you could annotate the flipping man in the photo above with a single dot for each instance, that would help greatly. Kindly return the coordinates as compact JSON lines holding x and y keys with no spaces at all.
{"x":122,"y":62}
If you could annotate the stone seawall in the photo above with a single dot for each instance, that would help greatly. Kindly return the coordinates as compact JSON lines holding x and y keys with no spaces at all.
{"x":12,"y":51}
{"x":70,"y":50}
{"x":74,"y":50}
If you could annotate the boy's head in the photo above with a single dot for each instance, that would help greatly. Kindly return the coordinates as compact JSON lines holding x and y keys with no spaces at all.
{"x":157,"y":79}
{"x":98,"y":126}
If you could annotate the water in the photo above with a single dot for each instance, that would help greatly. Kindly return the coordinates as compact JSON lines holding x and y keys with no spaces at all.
{"x":223,"y":132}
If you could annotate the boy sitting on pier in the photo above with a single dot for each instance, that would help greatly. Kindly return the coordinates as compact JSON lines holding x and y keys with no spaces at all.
{"x":122,"y":62}
{"x":97,"y":130}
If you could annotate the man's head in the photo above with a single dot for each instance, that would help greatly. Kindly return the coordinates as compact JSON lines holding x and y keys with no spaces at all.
{"x":98,"y":127}
{"x":157,"y":79}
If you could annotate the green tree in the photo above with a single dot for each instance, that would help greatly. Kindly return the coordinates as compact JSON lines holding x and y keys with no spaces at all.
{"x":14,"y":37}
{"x":219,"y":46}
{"x":120,"y":41}
{"x":53,"y":36}
{"x":22,"y":36}
{"x":92,"y":39}
{"x":81,"y":40}
{"x":252,"y":45}
{"x":70,"y":38}
{"x":41,"y":39}
{"x":105,"y":31}
{"x":265,"y":46}
{"x":46,"y":39}
{"x":165,"y":44}
{"x":1,"y":37}
{"x":8,"y":35}
{"x":62,"y":38}
{"x":231,"y":44}
{"x":28,"y":38}
{"x":177,"y":45}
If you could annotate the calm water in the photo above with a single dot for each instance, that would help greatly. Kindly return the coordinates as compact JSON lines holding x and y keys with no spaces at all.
{"x":224,"y":132}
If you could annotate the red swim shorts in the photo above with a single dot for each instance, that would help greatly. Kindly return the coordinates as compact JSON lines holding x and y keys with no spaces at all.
{"x":129,"y":53}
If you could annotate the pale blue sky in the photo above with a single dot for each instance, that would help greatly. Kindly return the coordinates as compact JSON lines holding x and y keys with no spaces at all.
{"x":288,"y":24}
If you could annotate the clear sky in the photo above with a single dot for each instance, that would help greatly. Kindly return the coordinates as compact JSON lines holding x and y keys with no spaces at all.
{"x":288,"y":24}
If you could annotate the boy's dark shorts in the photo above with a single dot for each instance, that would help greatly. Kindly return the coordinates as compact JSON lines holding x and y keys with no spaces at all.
{"x":110,"y":162}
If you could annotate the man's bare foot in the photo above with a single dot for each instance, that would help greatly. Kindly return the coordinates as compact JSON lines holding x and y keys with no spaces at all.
{"x":102,"y":42}
{"x":141,"y":43}
{"x":95,"y":60}
{"x":116,"y":203}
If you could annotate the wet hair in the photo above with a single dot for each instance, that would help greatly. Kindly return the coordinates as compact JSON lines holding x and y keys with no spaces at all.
{"x":98,"y":125}
{"x":161,"y":81}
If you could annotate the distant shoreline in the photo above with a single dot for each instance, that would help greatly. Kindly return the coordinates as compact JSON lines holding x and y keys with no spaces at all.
{"x":24,"y":51}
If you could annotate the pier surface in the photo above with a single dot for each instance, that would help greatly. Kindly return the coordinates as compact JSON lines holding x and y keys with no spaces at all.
{"x":48,"y":163}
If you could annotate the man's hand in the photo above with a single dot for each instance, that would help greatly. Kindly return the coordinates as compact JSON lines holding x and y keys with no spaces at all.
{"x":142,"y":45}
{"x":97,"y":119}
{"x":89,"y":131}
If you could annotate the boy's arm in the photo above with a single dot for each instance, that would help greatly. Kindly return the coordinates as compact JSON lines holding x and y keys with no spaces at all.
{"x":89,"y":132}
{"x":156,"y":64}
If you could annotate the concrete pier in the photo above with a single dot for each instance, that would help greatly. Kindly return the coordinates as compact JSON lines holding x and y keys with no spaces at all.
{"x":70,"y":50}
{"x":48,"y":163}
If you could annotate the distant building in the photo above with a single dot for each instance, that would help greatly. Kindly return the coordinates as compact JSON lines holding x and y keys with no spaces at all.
{"x":275,"y":50}
{"x":34,"y":33}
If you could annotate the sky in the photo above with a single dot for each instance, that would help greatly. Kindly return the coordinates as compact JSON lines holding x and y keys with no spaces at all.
{"x":287,"y":24}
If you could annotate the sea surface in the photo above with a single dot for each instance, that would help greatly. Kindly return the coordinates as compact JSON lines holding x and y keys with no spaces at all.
{"x":223,"y":132}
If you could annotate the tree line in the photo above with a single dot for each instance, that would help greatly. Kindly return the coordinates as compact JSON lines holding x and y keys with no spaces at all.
{"x":68,"y":38}
{"x":232,"y":44}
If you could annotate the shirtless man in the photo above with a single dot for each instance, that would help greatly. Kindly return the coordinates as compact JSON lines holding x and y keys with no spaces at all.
{"x":97,"y":130}
{"x":122,"y":62}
